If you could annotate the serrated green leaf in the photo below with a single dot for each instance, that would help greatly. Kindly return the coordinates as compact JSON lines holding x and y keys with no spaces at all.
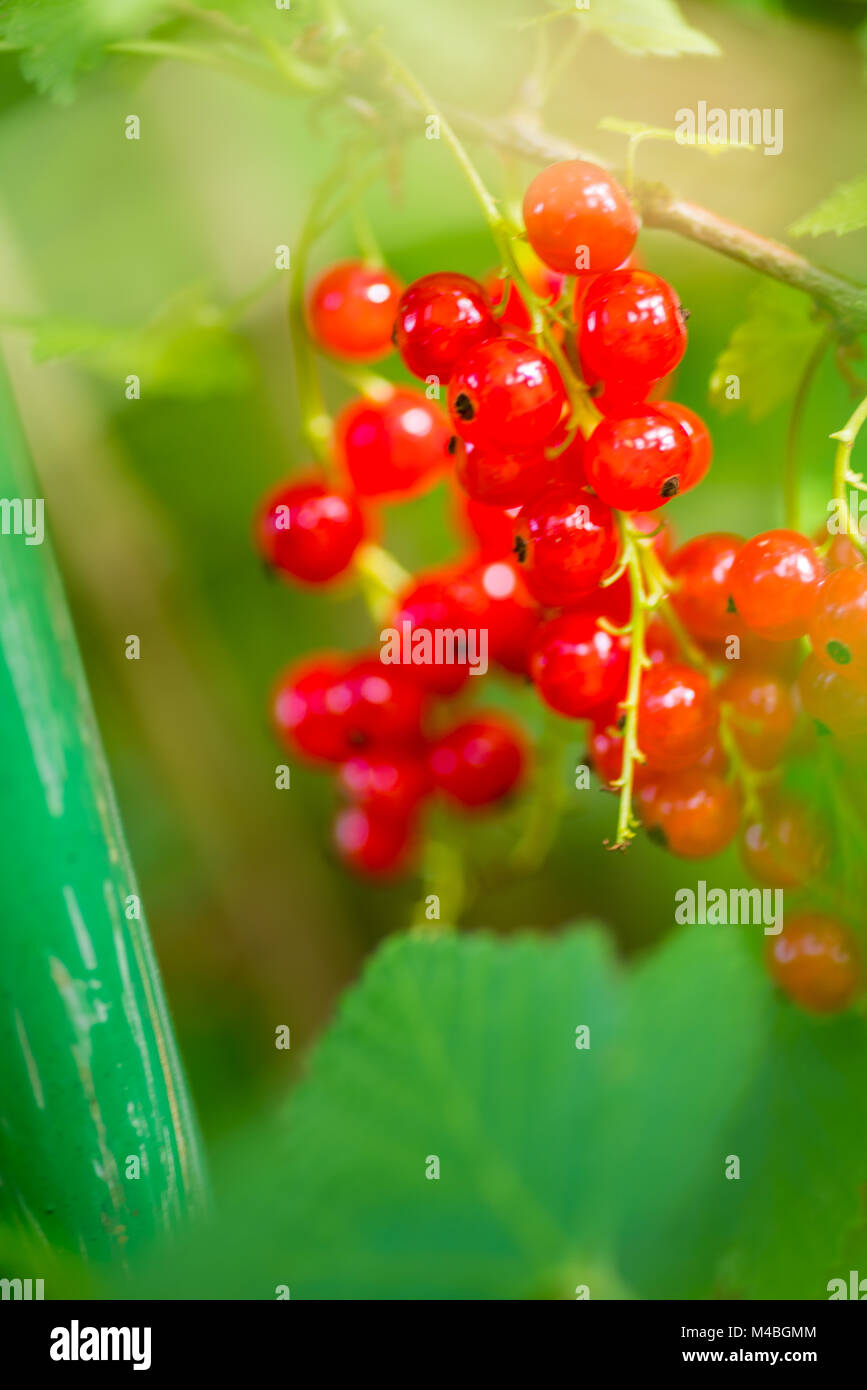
{"x":844,"y":211}
{"x":61,"y":39}
{"x":645,"y":26}
{"x":767,"y":353}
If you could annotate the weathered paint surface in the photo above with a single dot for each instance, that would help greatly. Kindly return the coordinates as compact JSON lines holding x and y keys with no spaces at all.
{"x":89,"y":1071}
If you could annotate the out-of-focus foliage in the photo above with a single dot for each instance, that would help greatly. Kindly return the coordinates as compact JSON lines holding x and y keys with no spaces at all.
{"x":845,"y":210}
{"x":766,"y":353}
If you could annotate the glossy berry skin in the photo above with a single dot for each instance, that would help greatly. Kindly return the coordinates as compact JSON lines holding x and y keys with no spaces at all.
{"x":506,"y":394}
{"x":815,"y":961}
{"x":373,"y":842}
{"x":389,"y":780}
{"x":497,"y":479}
{"x":774,"y":583}
{"x":494,"y":593}
{"x":632,"y":332}
{"x":309,"y":530}
{"x":696,"y":812}
{"x":761,"y":715}
{"x":577,"y":666}
{"x":351,"y":310}
{"x":578,"y":218}
{"x":439,"y":318}
{"x":300,"y":714}
{"x":491,"y":529}
{"x":478,"y":762}
{"x":394,"y":447}
{"x":702,"y":569}
{"x":786,"y":846}
{"x":701,"y":445}
{"x":639,"y":462}
{"x":430,"y":606}
{"x":835,"y":703}
{"x":678,"y":716}
{"x":377,"y":704}
{"x":838,"y":631}
{"x":566,"y":541}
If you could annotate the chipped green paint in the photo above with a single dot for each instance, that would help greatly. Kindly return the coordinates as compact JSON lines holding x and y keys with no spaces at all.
{"x":90,"y":1075}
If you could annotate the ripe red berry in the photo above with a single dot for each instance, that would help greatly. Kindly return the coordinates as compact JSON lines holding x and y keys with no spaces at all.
{"x":479,"y":761}
{"x":435,"y":620}
{"x":761,"y":715}
{"x":351,"y":310}
{"x":492,"y":528}
{"x":786,"y":846}
{"x":605,"y":753}
{"x":815,"y":961}
{"x":774,"y":583}
{"x":389,"y":780}
{"x":840,"y":553}
{"x":578,"y":218}
{"x":377,"y":703}
{"x":702,"y":568}
{"x":439,"y":318}
{"x":639,"y":462}
{"x":374,"y":842}
{"x":300,"y":713}
{"x":506,"y":393}
{"x":496,"y":478}
{"x":577,"y":666}
{"x":838,"y":705}
{"x":632,"y":331}
{"x":390,"y":448}
{"x":495,"y":593}
{"x":838,"y":630}
{"x":567,"y":541}
{"x":701,"y":445}
{"x":677,"y":716}
{"x":696,"y":812}
{"x":309,"y":530}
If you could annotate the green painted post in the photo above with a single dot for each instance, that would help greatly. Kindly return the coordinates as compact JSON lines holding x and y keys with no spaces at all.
{"x":89,"y":1073}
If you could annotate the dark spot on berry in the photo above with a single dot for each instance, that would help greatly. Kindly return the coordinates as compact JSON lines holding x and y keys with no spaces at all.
{"x":464,"y":406}
{"x":596,"y":389}
{"x":730,"y":606}
{"x":394,"y":336}
{"x":357,"y":738}
{"x":520,"y":549}
{"x":670,"y":488}
{"x":838,"y":653}
{"x":452,"y":445}
{"x":621,"y":724}
{"x":657,"y":835}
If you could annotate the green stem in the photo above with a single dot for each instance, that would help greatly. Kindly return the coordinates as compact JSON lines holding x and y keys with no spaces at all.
{"x":631,"y":558}
{"x":843,"y":475}
{"x":91,"y":1077}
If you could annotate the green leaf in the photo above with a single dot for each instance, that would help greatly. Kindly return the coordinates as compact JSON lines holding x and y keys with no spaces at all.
{"x":844,"y":211}
{"x":61,"y":39}
{"x":767,"y":353}
{"x":644,"y":26}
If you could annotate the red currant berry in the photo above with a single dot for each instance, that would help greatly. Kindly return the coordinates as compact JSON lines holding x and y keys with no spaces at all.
{"x":677,"y":716}
{"x":786,"y":846}
{"x":605,"y":755}
{"x":390,"y":448}
{"x":377,"y":703}
{"x":815,"y":961}
{"x":702,"y":598}
{"x":637,"y":463}
{"x":491,"y":528}
{"x":430,"y":620}
{"x":300,"y":713}
{"x":761,"y":715}
{"x":309,"y":530}
{"x":660,"y":642}
{"x":696,"y":812}
{"x":841,"y":553}
{"x":506,"y":394}
{"x":838,"y":631}
{"x":632,"y":331}
{"x":495,"y":593}
{"x":497,"y":479}
{"x":479,"y":761}
{"x":439,"y":318}
{"x":567,"y":541}
{"x":835,"y":703}
{"x":578,"y":218}
{"x":774,"y":583}
{"x":701,"y":446}
{"x":577,"y":666}
{"x":351,"y":310}
{"x":390,"y":781}
{"x":373,"y":842}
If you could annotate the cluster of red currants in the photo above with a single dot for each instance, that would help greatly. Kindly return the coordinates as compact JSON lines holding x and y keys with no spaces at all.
{"x":576,"y":328}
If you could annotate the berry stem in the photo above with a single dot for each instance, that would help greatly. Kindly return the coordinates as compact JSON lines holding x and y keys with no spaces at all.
{"x":844,"y":478}
{"x":631,"y":557}
{"x":382,"y":578}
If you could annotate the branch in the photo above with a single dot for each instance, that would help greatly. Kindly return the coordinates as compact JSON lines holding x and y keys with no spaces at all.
{"x":661,"y":208}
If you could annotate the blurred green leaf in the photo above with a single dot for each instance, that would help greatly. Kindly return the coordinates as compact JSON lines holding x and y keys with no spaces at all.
{"x":61,"y":39}
{"x":767,"y":352}
{"x":644,"y":26}
{"x":844,"y":211}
